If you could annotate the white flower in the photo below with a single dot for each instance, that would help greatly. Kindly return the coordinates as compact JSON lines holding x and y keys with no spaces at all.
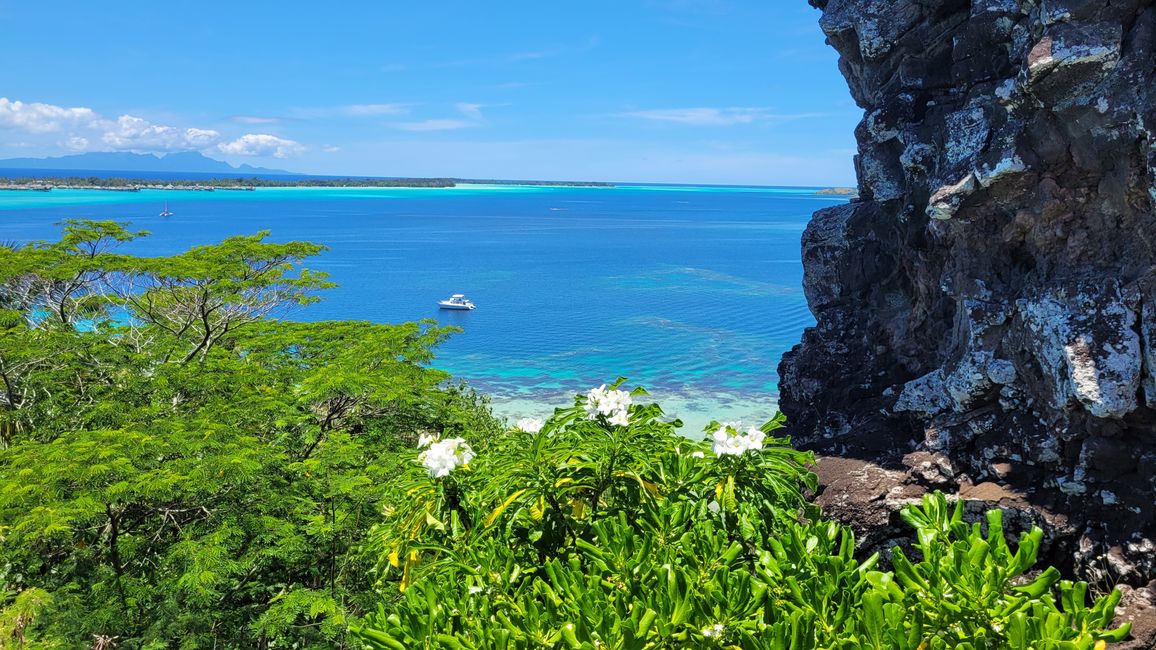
{"x":698,"y":454}
{"x":713,"y":630}
{"x":529,"y":425}
{"x":594,"y":399}
{"x":425,"y":440}
{"x":612,"y":404}
{"x":713,"y":506}
{"x":755,"y":438}
{"x":620,"y":418}
{"x":728,"y":440}
{"x":445,"y":456}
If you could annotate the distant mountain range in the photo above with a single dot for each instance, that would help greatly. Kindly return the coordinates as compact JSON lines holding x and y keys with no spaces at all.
{"x":185,"y":161}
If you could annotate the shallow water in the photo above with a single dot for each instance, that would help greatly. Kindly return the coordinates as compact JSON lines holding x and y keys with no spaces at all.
{"x":692,"y":292}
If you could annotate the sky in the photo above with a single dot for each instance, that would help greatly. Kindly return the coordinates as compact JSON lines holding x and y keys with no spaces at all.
{"x":665,"y":91}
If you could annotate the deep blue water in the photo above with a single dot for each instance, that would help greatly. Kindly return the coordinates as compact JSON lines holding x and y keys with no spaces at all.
{"x":692,"y":292}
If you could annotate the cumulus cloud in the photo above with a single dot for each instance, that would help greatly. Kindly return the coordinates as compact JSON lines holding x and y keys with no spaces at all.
{"x":77,"y":143}
{"x":44,"y":118}
{"x":133,"y":133}
{"x":82,"y":129}
{"x":261,"y":144}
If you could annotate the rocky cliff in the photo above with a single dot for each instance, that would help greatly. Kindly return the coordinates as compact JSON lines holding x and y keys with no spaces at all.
{"x":987,"y":308}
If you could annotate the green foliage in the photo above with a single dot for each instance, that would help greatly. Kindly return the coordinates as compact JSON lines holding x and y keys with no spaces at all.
{"x":970,"y":591}
{"x":58,"y":283}
{"x":543,"y":491}
{"x":177,"y":469}
{"x":592,"y":534}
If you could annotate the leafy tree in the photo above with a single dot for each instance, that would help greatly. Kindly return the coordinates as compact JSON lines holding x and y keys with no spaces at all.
{"x":200,"y":296}
{"x":180,"y":469}
{"x":63,"y":281}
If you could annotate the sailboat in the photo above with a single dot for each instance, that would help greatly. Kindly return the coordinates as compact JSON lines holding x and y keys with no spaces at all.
{"x":165,"y":212}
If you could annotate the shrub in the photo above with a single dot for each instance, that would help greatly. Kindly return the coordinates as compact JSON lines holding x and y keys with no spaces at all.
{"x":603,"y":528}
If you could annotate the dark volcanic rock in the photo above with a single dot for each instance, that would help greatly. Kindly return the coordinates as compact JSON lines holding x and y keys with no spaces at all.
{"x":989,"y":301}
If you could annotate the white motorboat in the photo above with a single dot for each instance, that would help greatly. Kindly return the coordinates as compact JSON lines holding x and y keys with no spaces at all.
{"x":456,"y":301}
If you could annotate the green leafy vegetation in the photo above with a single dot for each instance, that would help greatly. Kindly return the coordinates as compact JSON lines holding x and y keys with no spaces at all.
{"x":180,"y":468}
{"x":590,"y":534}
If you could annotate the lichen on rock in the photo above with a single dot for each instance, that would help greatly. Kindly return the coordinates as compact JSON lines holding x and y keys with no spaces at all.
{"x":990,"y":296}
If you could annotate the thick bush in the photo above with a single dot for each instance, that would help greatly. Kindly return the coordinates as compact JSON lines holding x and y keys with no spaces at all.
{"x":603,"y":528}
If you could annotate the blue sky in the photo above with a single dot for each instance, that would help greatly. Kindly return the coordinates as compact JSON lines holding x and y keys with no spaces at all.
{"x":681,"y":91}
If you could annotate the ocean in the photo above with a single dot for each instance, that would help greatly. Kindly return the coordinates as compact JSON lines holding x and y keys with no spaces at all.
{"x":691,"y":292}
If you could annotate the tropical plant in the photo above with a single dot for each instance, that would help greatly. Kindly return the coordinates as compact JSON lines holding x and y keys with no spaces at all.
{"x":603,"y":528}
{"x":543,"y":489}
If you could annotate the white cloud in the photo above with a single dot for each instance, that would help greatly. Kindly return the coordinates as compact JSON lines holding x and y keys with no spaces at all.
{"x":702,"y":116}
{"x":261,"y":144}
{"x":77,"y":143}
{"x":717,"y":116}
{"x":529,"y":56}
{"x":435,"y":125}
{"x":44,"y":118}
{"x":133,"y":133}
{"x":373,"y":110}
{"x":472,"y":111}
{"x":255,"y":119}
{"x":83,"y":129}
{"x":350,"y":111}
{"x":330,"y":148}
{"x":518,"y":57}
{"x":499,"y":59}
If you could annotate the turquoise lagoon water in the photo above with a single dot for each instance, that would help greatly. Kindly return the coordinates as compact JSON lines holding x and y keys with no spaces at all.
{"x":692,"y":292}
